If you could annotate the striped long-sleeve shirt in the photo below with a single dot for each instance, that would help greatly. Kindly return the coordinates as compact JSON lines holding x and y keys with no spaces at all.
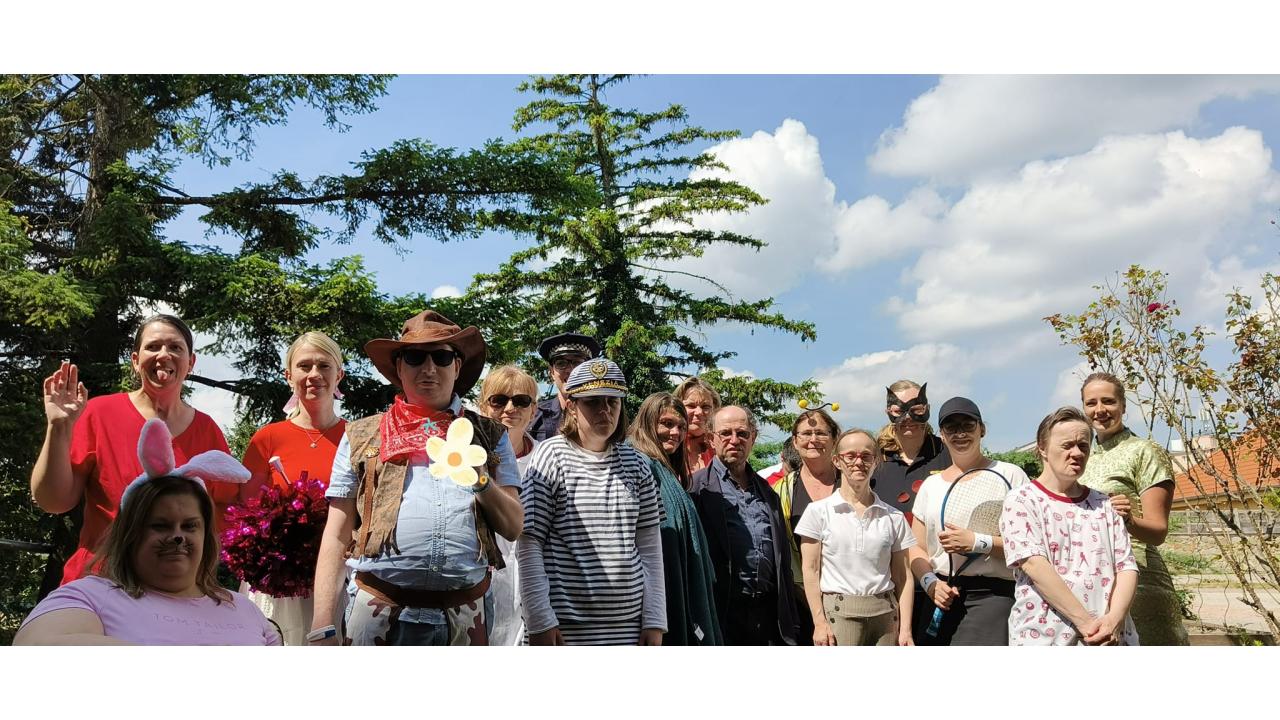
{"x":591,"y":549}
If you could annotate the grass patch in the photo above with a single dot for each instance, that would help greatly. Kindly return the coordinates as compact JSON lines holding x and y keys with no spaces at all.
{"x":1183,"y":563}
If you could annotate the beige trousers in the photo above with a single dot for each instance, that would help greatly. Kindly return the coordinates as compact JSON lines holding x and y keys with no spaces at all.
{"x":862,"y":619}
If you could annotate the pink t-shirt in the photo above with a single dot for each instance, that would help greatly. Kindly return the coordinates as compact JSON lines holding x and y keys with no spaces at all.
{"x":1087,"y":544}
{"x":158,"y":619}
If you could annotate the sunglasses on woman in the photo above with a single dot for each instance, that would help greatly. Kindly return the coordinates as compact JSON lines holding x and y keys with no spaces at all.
{"x":444,"y":357}
{"x":497,"y":402}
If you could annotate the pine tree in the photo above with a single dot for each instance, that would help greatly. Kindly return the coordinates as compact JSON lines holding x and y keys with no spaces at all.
{"x":604,"y":263}
{"x":85,"y":194}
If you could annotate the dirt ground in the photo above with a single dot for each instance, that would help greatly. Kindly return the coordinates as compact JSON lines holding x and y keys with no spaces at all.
{"x":1214,"y":594}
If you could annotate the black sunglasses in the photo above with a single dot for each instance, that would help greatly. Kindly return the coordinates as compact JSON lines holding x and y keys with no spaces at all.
{"x":498,"y":402}
{"x":444,"y":357}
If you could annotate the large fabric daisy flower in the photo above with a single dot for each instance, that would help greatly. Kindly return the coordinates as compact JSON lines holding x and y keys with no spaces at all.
{"x":453,"y":456}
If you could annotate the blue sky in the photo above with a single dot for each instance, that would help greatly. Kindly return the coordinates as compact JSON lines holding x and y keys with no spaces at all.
{"x":923,"y":223}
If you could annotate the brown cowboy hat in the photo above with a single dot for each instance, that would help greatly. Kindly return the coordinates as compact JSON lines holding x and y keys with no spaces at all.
{"x":426,"y":327}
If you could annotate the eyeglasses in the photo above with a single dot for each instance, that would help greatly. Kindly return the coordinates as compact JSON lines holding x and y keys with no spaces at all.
{"x":814,"y":435}
{"x":444,"y":357}
{"x":497,"y":402}
{"x":564,"y":365}
{"x":601,"y":402}
{"x":962,"y":426}
{"x":728,"y":434}
{"x":850,"y":457}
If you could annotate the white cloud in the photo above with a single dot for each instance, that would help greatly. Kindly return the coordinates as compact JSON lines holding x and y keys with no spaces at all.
{"x":859,"y":382}
{"x":731,"y":373}
{"x":215,"y":402}
{"x":970,"y":126}
{"x":1013,"y":250}
{"x":1066,"y":390}
{"x":872,"y":230}
{"x":799,"y":222}
{"x":446,"y":291}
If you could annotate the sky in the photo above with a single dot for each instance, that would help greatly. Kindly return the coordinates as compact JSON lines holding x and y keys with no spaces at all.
{"x":924,"y":224}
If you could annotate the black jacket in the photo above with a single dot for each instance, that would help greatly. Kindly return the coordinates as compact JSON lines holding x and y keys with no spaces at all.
{"x":707,"y":490}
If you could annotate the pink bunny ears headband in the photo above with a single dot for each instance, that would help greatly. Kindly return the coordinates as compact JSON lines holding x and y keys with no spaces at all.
{"x":155,"y":452}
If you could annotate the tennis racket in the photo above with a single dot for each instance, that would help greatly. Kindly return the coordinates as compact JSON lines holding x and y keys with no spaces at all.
{"x":972,"y":502}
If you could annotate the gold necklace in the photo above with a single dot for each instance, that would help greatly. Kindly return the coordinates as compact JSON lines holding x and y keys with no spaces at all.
{"x":315,"y":439}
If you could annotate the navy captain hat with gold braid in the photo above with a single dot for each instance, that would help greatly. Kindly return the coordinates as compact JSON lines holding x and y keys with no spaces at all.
{"x":599,"y":377}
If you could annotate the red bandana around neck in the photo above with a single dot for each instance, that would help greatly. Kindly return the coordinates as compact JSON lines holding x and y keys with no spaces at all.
{"x":405,"y":428}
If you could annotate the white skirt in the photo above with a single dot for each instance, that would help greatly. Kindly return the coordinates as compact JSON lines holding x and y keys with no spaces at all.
{"x":292,"y":614}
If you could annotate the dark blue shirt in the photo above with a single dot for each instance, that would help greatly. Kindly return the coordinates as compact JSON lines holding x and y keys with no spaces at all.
{"x":546,"y":421}
{"x":750,"y":534}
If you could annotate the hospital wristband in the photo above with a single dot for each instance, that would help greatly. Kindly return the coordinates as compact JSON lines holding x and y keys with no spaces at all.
{"x":982,"y":543}
{"x":323,"y":633}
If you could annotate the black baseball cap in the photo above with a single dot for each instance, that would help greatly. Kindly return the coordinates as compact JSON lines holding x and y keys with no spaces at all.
{"x":959,"y":406}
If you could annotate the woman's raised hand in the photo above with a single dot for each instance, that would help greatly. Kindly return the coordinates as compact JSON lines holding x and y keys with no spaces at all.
{"x":64,"y":395}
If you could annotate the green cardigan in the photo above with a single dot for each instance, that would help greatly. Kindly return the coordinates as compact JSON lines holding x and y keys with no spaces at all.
{"x":686,"y":563}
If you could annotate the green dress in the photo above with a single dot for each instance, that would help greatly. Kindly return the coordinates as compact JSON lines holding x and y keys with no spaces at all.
{"x":1128,"y":464}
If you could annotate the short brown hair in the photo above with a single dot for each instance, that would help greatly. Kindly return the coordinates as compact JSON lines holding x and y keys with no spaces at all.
{"x":569,"y":425}
{"x":1057,"y":417}
{"x":832,"y":426}
{"x":114,"y":559}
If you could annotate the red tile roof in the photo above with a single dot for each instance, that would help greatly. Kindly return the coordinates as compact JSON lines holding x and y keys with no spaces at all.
{"x":1248,"y":470}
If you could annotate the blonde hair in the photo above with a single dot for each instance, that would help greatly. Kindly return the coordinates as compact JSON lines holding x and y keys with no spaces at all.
{"x":319,"y":341}
{"x":887,"y":439}
{"x":507,"y":380}
{"x":696,"y":383}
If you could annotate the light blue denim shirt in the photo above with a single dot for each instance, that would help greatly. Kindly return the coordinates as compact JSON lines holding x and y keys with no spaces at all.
{"x":436,"y":531}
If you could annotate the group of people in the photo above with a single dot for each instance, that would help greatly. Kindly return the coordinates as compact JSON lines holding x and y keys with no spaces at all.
{"x":580,"y":527}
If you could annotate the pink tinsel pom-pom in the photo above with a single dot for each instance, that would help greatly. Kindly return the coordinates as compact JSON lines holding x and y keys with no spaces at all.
{"x":271,"y":542}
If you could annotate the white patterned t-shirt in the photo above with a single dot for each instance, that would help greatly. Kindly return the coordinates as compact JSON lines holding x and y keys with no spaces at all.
{"x":1087,"y":544}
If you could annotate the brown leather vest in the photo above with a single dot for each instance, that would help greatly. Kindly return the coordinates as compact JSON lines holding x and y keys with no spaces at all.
{"x":381,"y":486}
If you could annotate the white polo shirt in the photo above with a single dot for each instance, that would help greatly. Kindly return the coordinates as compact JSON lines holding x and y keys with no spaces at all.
{"x":855,"y":551}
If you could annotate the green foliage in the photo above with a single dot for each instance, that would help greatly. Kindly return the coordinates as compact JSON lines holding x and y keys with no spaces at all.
{"x":602,"y":259}
{"x":764,"y":454}
{"x":1185,"y":600}
{"x":1182,"y":563}
{"x":1132,"y":330}
{"x":86,"y":191}
{"x":1025,"y":459}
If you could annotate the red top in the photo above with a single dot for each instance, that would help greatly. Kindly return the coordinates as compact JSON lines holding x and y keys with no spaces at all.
{"x":293,"y":445}
{"x":104,"y":448}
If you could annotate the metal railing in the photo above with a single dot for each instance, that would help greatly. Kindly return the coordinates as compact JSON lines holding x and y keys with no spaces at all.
{"x":52,"y":569}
